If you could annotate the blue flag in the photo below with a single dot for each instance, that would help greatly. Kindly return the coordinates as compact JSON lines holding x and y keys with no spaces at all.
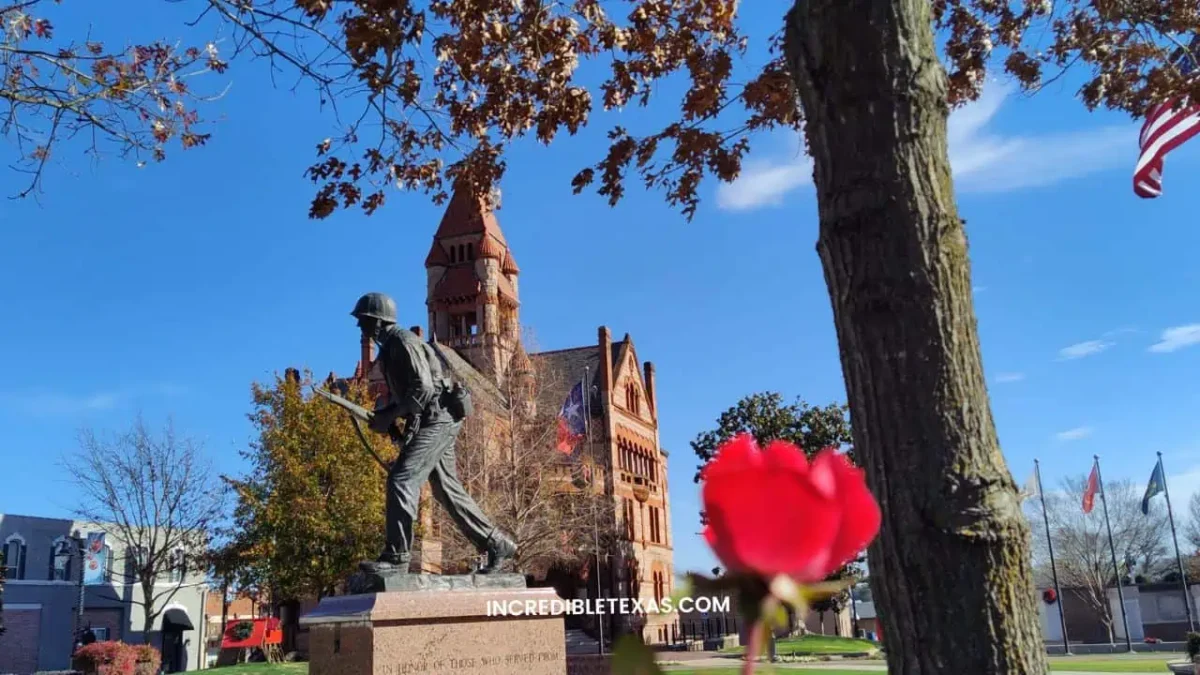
{"x":1154,"y":487}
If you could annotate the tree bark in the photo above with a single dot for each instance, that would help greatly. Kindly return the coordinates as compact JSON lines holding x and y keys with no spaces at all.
{"x":147,"y":611}
{"x":224,"y":612}
{"x":950,"y":570}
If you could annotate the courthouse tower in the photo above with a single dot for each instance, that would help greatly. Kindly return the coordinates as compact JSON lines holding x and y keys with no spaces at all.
{"x":471,"y":290}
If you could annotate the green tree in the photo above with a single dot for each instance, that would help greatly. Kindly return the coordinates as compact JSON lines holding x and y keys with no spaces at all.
{"x":312,"y":506}
{"x":768,"y":418}
{"x":227,"y":565}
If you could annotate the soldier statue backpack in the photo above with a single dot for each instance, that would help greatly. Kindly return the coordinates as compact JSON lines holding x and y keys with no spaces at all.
{"x":455,"y":398}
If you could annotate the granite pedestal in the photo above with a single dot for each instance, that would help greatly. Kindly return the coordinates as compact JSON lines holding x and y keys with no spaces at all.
{"x":438,"y":625}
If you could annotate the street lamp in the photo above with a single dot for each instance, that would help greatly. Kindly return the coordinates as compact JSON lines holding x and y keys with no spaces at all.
{"x":80,"y":555}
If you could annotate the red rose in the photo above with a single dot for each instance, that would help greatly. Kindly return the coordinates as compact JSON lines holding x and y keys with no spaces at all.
{"x":771,"y":512}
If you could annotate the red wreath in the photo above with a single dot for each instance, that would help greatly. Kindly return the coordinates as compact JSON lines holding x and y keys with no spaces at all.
{"x":1049,"y":596}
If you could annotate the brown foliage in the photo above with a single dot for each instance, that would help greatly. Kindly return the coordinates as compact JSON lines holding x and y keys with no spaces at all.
{"x":448,"y":86}
{"x":135,"y":99}
{"x":432,"y":93}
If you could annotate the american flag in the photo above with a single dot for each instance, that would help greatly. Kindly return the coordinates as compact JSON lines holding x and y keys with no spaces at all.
{"x":1168,"y":125}
{"x":571,"y":423}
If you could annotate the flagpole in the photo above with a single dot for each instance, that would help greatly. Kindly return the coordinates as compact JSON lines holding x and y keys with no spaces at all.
{"x":587,"y":429}
{"x":1062,"y":615}
{"x":1112,"y":549}
{"x":1187,"y":600}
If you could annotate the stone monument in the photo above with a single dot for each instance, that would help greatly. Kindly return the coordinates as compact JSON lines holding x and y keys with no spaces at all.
{"x":394,"y":622}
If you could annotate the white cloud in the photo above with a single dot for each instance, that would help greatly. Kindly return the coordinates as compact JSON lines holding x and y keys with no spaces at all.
{"x":1182,"y":485}
{"x":1078,"y":433}
{"x":983,"y":160}
{"x":1177,"y":338}
{"x":763,"y":184}
{"x":1010,"y":377}
{"x":1082,"y":349}
{"x":979,"y":289}
{"x":49,"y":403}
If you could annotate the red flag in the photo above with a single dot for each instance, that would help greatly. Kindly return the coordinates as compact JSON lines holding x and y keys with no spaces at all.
{"x":1089,"y":493}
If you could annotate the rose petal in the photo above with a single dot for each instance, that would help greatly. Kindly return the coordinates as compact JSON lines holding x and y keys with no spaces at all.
{"x":724,"y":552}
{"x":861,"y":516}
{"x":785,"y":456}
{"x":772,"y":520}
{"x":738,"y":453}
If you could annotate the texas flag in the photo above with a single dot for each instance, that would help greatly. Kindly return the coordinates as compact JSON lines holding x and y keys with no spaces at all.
{"x":1089,"y":492}
{"x":571,"y":423}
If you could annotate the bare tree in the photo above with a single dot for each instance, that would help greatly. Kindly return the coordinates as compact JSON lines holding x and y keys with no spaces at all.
{"x":552,"y":505}
{"x":1081,"y":541}
{"x":159,"y":497}
{"x":1191,"y":530}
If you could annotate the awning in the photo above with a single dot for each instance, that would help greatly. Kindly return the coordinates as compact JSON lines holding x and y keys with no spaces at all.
{"x":176,"y":618}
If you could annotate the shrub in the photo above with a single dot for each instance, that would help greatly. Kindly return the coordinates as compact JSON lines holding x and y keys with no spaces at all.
{"x":106,"y":658}
{"x":147,"y":654}
{"x":1193,"y":645}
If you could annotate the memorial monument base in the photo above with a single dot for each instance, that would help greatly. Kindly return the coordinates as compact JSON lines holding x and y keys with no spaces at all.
{"x":443,"y":626}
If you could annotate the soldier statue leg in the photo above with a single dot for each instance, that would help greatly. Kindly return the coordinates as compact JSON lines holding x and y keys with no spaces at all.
{"x":462,"y":508}
{"x":419,"y":456}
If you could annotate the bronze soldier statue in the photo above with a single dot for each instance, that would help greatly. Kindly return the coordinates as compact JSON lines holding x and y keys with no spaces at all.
{"x":421,"y":393}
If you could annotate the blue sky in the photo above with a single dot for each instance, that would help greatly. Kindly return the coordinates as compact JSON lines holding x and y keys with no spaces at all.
{"x":168,"y":290}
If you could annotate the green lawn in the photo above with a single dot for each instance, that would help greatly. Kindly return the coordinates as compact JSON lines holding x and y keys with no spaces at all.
{"x":301,"y":668}
{"x":778,"y":671}
{"x":816,"y":645}
{"x":1117,"y":663}
{"x":265,"y":669}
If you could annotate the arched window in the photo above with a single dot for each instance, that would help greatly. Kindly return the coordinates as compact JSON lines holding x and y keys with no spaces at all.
{"x":470,"y":251}
{"x":14,"y":557}
{"x":62,"y":551}
{"x":453,"y":251}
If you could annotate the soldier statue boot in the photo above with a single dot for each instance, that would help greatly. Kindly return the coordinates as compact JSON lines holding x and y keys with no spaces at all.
{"x":387,"y":563}
{"x":500,"y":549}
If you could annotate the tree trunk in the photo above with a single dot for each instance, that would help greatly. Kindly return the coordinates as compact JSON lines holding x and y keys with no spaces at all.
{"x":224,"y":612}
{"x":951,"y":570}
